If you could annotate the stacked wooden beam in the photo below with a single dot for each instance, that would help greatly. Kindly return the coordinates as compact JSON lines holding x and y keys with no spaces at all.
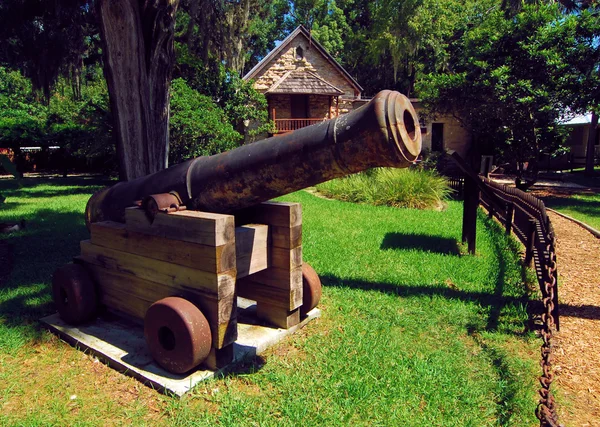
{"x":198,"y":256}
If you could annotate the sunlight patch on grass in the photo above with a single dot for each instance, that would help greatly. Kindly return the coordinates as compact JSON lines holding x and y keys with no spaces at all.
{"x":584,"y":207}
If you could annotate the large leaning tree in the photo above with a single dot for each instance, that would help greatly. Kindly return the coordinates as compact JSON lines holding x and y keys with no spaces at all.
{"x":138,"y":60}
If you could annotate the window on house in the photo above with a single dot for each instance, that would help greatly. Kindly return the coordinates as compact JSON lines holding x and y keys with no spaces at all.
{"x":423,"y":126}
{"x":299,"y":53}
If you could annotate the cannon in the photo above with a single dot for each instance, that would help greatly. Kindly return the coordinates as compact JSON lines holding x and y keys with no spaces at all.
{"x":174,"y":249}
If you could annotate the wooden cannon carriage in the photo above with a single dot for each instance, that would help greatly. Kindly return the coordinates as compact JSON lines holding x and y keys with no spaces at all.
{"x":203,"y":233}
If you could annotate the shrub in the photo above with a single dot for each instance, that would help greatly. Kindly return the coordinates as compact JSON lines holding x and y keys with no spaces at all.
{"x":199,"y":127}
{"x":419,"y":189}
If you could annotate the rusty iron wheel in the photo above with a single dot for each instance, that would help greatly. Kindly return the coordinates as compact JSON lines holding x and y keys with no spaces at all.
{"x":177,"y":334}
{"x":74,"y":294}
{"x":311,"y":289}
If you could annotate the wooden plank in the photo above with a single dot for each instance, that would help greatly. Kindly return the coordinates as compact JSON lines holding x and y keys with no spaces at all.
{"x":133,"y":296}
{"x":286,"y":258}
{"x":278,"y":316}
{"x":189,"y":226}
{"x":219,"y":284}
{"x":284,"y":298}
{"x":279,"y":278}
{"x":286,"y":238}
{"x":120,"y":302}
{"x":251,"y":248}
{"x":115,"y":235}
{"x":280,"y":214}
{"x":219,"y":358}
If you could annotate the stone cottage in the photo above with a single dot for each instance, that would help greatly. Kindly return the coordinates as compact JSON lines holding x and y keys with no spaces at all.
{"x":579,"y":128}
{"x":303,"y":83}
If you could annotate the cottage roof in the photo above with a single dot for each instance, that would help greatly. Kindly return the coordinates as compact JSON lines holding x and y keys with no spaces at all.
{"x":303,"y":82}
{"x":583,"y":119}
{"x":284,"y":45}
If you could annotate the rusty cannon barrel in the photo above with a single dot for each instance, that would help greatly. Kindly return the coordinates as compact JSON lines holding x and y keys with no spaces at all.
{"x":383,"y":132}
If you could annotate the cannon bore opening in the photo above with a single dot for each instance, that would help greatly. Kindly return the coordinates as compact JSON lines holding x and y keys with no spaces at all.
{"x":409,"y":124}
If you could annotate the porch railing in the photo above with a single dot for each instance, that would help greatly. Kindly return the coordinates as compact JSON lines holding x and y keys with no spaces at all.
{"x":289,"y":125}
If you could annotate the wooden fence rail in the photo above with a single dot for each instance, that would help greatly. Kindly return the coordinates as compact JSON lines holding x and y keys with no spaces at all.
{"x":526,"y":217}
{"x":530,"y":223}
{"x":289,"y":125}
{"x":520,"y":213}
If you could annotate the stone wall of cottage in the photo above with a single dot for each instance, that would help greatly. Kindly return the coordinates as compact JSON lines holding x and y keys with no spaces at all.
{"x":455,"y":137}
{"x":318,"y":106}
{"x":282,"y":105}
{"x":312,"y":61}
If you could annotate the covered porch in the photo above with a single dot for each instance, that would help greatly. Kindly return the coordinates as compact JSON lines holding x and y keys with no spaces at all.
{"x":300,"y":99}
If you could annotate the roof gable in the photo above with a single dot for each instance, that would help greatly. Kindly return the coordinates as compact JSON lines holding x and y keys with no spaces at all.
{"x":285,"y":45}
{"x":304,"y":82}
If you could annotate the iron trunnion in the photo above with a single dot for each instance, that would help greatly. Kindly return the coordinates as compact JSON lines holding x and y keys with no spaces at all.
{"x":203,"y":234}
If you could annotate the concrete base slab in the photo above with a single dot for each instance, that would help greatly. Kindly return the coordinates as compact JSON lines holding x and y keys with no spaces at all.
{"x":120,"y":343}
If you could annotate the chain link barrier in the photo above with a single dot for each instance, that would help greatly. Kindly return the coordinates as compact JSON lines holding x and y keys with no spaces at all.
{"x":546,"y":410}
{"x":546,"y":269}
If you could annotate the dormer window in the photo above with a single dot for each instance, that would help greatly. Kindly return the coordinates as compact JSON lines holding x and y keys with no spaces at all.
{"x":299,"y":53}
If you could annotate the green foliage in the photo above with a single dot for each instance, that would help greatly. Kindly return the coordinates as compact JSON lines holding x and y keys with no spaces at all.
{"x":81,"y":127}
{"x":504,"y":84}
{"x":46,"y":40}
{"x":264,"y":29}
{"x":386,"y":44}
{"x":198,"y":126}
{"x":327,"y":22}
{"x":22,"y":119}
{"x":207,"y":78}
{"x":576,"y":60}
{"x":233,"y":34}
{"x":243,"y":106}
{"x":420,"y":189}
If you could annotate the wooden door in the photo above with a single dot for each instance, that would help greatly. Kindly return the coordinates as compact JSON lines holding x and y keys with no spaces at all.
{"x":299,"y":106}
{"x":437,"y":137}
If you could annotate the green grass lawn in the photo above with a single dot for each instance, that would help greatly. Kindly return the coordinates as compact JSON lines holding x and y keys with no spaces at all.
{"x":413,"y":332}
{"x":584,"y":207}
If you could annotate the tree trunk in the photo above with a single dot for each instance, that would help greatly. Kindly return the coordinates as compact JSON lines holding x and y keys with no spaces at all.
{"x":590,"y":149}
{"x":138,"y":60}
{"x":193,"y":12}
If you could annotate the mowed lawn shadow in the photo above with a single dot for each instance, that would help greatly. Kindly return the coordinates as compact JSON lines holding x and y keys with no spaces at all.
{"x":420,"y":242}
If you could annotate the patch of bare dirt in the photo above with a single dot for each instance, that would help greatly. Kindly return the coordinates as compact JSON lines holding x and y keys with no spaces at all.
{"x":576,"y":351}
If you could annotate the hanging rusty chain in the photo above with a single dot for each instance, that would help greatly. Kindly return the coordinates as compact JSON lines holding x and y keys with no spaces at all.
{"x":546,"y":410}
{"x":548,"y":280}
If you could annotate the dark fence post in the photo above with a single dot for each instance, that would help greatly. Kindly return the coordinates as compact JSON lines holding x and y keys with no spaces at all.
{"x":530,"y":244}
{"x":473,"y":228}
{"x":510,"y":212}
{"x":466,"y":202}
{"x":471,"y":203}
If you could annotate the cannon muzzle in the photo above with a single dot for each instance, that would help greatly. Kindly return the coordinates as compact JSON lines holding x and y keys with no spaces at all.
{"x":383,"y":132}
